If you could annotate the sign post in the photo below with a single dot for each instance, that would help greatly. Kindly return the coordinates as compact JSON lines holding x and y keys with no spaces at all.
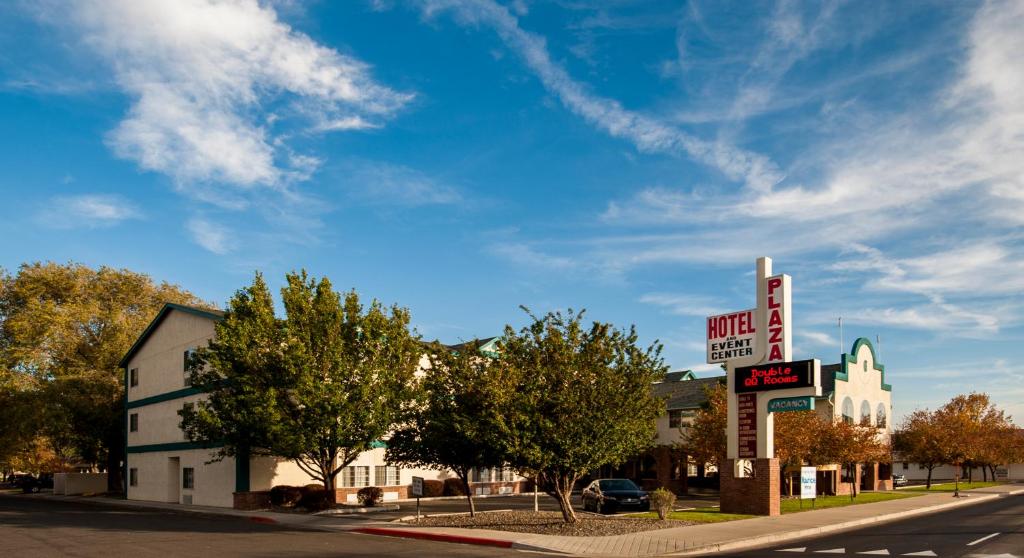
{"x":757,"y":348}
{"x":417,"y":492}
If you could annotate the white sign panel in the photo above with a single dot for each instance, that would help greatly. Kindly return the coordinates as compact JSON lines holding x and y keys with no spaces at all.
{"x":417,"y":487}
{"x":780,"y":336}
{"x":731,"y":336}
{"x":808,"y":483}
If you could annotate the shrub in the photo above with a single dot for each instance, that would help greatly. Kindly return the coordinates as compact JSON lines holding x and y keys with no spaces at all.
{"x":285,"y":496}
{"x":315,"y":497}
{"x":662,"y":501}
{"x":433,"y":488}
{"x":369,"y":496}
{"x":453,"y":487}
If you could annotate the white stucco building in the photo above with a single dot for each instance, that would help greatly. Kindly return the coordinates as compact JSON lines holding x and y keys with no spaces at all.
{"x":162,"y":465}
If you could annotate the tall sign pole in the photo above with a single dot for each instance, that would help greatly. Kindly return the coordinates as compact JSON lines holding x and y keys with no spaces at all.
{"x":756,"y":347}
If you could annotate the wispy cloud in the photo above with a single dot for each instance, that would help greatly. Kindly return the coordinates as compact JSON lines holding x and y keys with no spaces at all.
{"x":87,"y":211}
{"x":647,"y":133}
{"x":684,"y":304}
{"x":199,"y":74}
{"x":212,"y":236}
{"x":394,"y":185}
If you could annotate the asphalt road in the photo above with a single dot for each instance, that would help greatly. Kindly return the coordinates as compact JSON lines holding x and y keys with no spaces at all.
{"x":32,"y":526}
{"x":990,"y":529}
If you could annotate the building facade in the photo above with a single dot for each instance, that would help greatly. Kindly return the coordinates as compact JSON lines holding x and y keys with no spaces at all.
{"x":162,"y":465}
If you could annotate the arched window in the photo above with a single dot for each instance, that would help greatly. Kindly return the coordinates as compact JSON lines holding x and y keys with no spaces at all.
{"x":848,"y":410}
{"x":880,"y":416}
{"x":865,"y":366}
{"x":865,"y":413}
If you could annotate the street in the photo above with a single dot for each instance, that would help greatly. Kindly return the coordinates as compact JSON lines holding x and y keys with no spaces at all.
{"x":33,"y":526}
{"x":994,"y":529}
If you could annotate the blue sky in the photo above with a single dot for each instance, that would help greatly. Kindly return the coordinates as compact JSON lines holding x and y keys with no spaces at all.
{"x":463,"y":157}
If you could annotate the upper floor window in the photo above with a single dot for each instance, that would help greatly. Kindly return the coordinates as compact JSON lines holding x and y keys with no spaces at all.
{"x":133,"y":422}
{"x":848,"y":410}
{"x":133,"y":377}
{"x":188,"y":477}
{"x":865,"y":413}
{"x":880,"y":416}
{"x":187,"y":364}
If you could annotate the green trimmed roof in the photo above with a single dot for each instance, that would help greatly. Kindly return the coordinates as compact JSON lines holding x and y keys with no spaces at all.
{"x":851,"y":358}
{"x":215,"y":315}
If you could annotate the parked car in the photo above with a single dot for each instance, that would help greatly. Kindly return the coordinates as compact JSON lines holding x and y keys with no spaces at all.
{"x":899,"y":480}
{"x":612,"y":495}
{"x":28,"y":483}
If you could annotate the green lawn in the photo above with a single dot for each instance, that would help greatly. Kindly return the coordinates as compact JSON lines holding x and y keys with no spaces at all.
{"x":822,"y":502}
{"x":950,"y":487}
{"x":700,"y":515}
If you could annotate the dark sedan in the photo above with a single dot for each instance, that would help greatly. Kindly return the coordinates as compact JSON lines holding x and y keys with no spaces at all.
{"x":612,"y":495}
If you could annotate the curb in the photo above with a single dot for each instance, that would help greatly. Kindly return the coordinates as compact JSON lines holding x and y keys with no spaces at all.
{"x":803,"y":533}
{"x":457,"y":539}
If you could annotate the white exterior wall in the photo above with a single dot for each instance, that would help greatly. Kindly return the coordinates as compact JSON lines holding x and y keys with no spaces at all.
{"x":161,"y":360}
{"x":159,"y":477}
{"x":667,"y":435}
{"x":863,"y":383}
{"x":159,"y":423}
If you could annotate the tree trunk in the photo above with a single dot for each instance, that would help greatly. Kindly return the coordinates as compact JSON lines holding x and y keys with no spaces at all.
{"x":984,"y":473}
{"x":970,"y":474}
{"x":853,"y":481}
{"x":563,"y":493}
{"x":928,"y":482}
{"x":464,"y":477}
{"x":115,"y":453}
{"x":992,"y":469}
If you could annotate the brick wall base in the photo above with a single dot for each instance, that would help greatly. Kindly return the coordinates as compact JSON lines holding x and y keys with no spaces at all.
{"x":252,"y":500}
{"x":757,"y":494}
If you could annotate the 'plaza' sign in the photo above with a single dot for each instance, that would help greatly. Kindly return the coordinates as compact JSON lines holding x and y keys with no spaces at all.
{"x":779,"y":375}
{"x":731,"y":336}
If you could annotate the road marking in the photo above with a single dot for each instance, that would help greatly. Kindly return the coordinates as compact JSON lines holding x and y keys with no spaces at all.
{"x":983,"y":539}
{"x":831,"y":551}
{"x":800,"y":549}
{"x":883,"y":552}
{"x":922,"y":553}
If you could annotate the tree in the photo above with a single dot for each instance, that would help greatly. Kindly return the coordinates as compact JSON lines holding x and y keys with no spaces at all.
{"x":63,"y":331}
{"x":796,"y":437}
{"x":704,"y":438}
{"x":919,"y":439}
{"x":966,"y":425}
{"x":577,"y":398}
{"x":452,"y":426}
{"x":849,"y":444}
{"x":318,"y":387}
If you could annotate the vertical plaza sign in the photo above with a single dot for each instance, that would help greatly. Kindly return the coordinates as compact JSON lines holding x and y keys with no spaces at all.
{"x":756,"y":347}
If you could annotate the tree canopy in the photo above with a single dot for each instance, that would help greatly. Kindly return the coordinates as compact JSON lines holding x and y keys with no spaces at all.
{"x":576,"y":398}
{"x":319,"y":386}
{"x":63,"y":331}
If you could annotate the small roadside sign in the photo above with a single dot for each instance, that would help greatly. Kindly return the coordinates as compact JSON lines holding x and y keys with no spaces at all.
{"x":808,"y":483}
{"x":417,"y":487}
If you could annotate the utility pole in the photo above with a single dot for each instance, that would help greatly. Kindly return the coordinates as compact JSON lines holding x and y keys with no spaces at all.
{"x":842,"y":345}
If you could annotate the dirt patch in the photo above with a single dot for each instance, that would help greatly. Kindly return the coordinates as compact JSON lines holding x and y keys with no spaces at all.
{"x":549,"y":523}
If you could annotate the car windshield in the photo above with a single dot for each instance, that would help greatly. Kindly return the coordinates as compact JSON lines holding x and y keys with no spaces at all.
{"x":618,"y":484}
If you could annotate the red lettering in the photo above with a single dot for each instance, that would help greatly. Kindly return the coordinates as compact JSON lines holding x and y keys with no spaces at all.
{"x":712,"y":330}
{"x":776,"y":335}
{"x":776,"y":353}
{"x":774,"y":283}
{"x":772,"y":303}
{"x":775,"y":318}
{"x":750,"y":322}
{"x":732,"y":324}
{"x":723,"y":323}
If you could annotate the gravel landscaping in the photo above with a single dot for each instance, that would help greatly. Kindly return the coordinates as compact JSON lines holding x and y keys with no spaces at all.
{"x":549,"y":523}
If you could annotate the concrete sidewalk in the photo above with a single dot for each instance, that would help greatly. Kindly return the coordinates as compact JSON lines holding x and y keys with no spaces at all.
{"x":711,"y":537}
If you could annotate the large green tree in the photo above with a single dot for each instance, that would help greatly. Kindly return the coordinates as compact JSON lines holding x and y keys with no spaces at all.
{"x":63,"y":330}
{"x":452,"y":425}
{"x":577,"y":398}
{"x":319,"y":386}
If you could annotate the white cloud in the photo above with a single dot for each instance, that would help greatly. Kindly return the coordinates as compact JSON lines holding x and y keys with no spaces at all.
{"x":684,"y":304}
{"x":212,"y":236}
{"x":87,"y":210}
{"x":397,"y":185}
{"x":199,"y":73}
{"x":817,"y":338}
{"x":524,"y":255}
{"x":646,"y":133}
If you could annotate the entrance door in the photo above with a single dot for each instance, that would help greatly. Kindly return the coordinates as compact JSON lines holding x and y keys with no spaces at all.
{"x":174,"y":479}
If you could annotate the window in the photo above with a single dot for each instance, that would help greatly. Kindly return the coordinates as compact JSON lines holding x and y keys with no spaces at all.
{"x":133,"y":422}
{"x":675,"y":419}
{"x":880,"y":416}
{"x":865,"y":366}
{"x":386,"y":476}
{"x":481,"y":475}
{"x":187,"y":361}
{"x":355,"y":476}
{"x":865,"y":413}
{"x":906,"y":465}
{"x":188,"y":477}
{"x":507,"y":475}
{"x":133,"y":377}
{"x":848,"y":410}
{"x":133,"y":477}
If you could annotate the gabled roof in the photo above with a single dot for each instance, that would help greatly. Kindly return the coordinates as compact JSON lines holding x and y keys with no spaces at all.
{"x":685,"y":394}
{"x":215,"y":315}
{"x":485,"y":344}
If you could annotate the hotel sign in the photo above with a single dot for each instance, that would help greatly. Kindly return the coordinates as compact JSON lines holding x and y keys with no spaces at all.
{"x":784,"y":404}
{"x":779,"y":375}
{"x":747,"y":425}
{"x":731,"y":336}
